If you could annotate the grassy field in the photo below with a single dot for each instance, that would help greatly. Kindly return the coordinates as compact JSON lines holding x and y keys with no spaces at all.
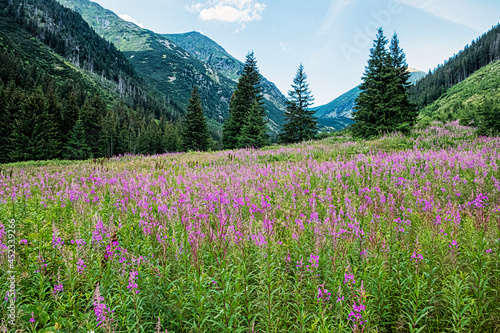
{"x":394,"y":235}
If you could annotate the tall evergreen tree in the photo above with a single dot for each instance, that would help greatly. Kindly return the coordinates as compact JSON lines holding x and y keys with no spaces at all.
{"x":248,"y":91}
{"x":404,"y":112}
{"x":300,"y":123}
{"x":35,"y":135}
{"x":91,"y":114}
{"x":383,"y":104}
{"x":254,"y":133}
{"x":77,"y":148}
{"x":196,"y":136}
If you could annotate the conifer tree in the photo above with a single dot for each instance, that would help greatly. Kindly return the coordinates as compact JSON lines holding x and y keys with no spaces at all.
{"x":489,"y":123}
{"x":196,"y":136}
{"x":91,"y":114}
{"x":253,"y":134}
{"x":370,"y":114}
{"x":300,"y":123}
{"x":77,"y":148}
{"x":404,"y":112}
{"x":35,"y":135}
{"x":248,"y":91}
{"x":383,"y":105}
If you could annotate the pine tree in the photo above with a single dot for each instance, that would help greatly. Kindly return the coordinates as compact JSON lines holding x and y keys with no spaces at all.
{"x":196,"y":136}
{"x":77,"y":148}
{"x":248,"y":91}
{"x":489,"y":113}
{"x":370,"y":114}
{"x":91,"y":114}
{"x":300,"y":123}
{"x":35,"y":134}
{"x":383,"y":105}
{"x":404,"y":112}
{"x":253,"y":134}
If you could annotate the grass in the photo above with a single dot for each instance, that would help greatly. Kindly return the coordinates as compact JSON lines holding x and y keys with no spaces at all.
{"x":394,"y":235}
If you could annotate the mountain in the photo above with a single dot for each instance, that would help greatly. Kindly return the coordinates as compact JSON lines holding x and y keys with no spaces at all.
{"x":338,"y":113}
{"x":481,"y":52}
{"x":54,"y":70}
{"x":171,"y":68}
{"x":211,"y":53}
{"x":464,"y":99}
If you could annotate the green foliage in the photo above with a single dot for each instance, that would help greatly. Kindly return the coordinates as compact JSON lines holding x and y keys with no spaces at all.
{"x":489,"y":114}
{"x":77,"y":148}
{"x":196,"y":135}
{"x":35,"y":135}
{"x":247,"y":93}
{"x":383,"y":105}
{"x":481,"y":52}
{"x":253,"y":134}
{"x":300,"y":123}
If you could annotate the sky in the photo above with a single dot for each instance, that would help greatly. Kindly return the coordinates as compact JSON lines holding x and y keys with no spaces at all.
{"x":331,"y":38}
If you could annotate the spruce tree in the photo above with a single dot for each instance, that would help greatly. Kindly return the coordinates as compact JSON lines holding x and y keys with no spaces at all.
{"x":489,"y":123}
{"x":370,"y":114}
{"x":35,"y":134}
{"x":300,"y":123}
{"x":248,"y":91}
{"x":404,"y":112}
{"x":92,"y":114}
{"x":253,"y":134}
{"x":77,"y":148}
{"x":383,"y":105}
{"x":196,"y":136}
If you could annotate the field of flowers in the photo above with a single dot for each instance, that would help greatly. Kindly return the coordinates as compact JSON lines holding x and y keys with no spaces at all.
{"x":394,"y":235}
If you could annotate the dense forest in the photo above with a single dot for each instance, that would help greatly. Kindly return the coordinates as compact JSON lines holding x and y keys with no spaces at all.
{"x":482,"y":51}
{"x":58,"y":79}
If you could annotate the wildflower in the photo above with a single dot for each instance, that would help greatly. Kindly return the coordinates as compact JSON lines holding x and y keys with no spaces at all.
{"x":32,"y":319}
{"x":488,"y":251}
{"x":23,"y":241}
{"x":80,"y":265}
{"x":58,"y":288}
{"x":131,"y":281}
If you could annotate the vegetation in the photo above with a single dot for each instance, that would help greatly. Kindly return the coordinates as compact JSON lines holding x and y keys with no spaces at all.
{"x":246,"y":103}
{"x":482,"y":51}
{"x":383,"y":105}
{"x":395,"y":234}
{"x":196,"y":136}
{"x":300,"y":123}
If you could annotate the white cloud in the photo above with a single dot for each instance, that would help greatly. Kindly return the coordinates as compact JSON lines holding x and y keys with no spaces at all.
{"x":336,"y":8}
{"x":286,"y":47}
{"x":128,"y":18}
{"x":473,"y":14}
{"x":233,"y":11}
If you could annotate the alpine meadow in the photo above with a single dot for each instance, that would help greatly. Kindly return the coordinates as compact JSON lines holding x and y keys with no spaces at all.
{"x":152,"y":182}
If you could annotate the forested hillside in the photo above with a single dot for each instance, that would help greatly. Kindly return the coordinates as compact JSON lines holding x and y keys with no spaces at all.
{"x":67,"y":93}
{"x":482,"y":51}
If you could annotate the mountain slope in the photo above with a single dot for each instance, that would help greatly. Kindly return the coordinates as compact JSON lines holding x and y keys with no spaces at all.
{"x":481,"y":52}
{"x":338,"y":113}
{"x":211,"y":53}
{"x":172,"y":69}
{"x":167,"y":66}
{"x":463,"y":99}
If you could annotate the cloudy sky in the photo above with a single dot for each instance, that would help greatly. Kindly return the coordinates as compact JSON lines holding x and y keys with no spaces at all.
{"x":332,"y":38}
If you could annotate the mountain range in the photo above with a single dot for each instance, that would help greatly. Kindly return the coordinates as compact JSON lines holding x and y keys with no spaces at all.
{"x":176,"y":63}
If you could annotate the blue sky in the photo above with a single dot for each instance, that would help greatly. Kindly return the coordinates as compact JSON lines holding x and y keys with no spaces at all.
{"x":332,"y":38}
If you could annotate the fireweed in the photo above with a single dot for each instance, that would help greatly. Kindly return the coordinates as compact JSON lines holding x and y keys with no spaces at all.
{"x":255,"y":240}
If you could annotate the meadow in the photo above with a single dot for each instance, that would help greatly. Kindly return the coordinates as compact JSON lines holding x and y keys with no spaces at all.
{"x":401,"y":234}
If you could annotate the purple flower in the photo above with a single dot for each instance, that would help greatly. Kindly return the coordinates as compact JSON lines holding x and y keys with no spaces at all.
{"x":58,"y":288}
{"x":23,"y":241}
{"x":131,"y":281}
{"x":80,"y":265}
{"x":32,"y":319}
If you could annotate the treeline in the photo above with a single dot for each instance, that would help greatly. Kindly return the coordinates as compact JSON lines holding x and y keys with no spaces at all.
{"x":66,"y":33}
{"x":480,"y":53}
{"x":40,"y":125}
